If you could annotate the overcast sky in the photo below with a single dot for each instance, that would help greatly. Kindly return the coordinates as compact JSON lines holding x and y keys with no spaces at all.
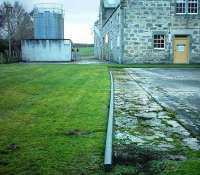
{"x":80,"y":16}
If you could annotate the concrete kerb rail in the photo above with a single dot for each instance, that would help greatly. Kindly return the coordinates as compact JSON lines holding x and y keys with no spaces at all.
{"x":108,"y":147}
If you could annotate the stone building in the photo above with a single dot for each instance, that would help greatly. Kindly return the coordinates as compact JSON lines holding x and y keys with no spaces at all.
{"x":148,"y":31}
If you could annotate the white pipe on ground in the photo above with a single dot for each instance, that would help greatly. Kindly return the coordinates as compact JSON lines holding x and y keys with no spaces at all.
{"x":108,"y":148}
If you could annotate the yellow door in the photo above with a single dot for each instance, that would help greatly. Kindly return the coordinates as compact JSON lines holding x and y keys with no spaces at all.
{"x":181,"y":50}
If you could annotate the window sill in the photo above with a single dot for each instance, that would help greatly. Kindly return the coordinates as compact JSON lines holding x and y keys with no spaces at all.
{"x":192,"y":14}
{"x":179,"y":14}
{"x":159,"y":49}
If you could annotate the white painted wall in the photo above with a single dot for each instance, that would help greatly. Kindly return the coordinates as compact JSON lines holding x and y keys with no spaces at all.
{"x":46,"y":50}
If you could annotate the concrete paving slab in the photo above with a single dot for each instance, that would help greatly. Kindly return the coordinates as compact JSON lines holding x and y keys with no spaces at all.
{"x":157,"y":109}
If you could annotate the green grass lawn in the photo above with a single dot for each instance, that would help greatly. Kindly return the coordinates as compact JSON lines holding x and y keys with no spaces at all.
{"x":86,"y":51}
{"x":52,"y":119}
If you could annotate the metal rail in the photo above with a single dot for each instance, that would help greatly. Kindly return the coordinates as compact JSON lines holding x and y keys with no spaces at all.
{"x":108,"y":148}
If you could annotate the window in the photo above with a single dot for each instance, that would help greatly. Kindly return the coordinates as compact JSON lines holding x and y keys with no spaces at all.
{"x":159,"y":41}
{"x":186,"y":6}
{"x":192,"y":6}
{"x":106,"y":38}
{"x":181,"y":6}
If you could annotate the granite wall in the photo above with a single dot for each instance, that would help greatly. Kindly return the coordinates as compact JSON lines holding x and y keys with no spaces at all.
{"x":131,"y":28}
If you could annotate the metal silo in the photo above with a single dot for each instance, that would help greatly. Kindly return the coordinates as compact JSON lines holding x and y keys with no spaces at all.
{"x":48,"y":21}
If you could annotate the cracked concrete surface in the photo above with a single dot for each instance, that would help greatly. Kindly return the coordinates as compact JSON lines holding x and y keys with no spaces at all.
{"x":176,"y":89}
{"x":145,"y":104}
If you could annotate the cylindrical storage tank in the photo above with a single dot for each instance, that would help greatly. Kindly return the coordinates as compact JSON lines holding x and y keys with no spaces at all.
{"x":48,"y":21}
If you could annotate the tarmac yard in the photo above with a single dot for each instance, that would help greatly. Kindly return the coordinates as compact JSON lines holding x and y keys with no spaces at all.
{"x":175,"y":89}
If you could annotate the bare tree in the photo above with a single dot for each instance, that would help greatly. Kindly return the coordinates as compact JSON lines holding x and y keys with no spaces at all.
{"x":15,"y":23}
{"x":2,"y":21}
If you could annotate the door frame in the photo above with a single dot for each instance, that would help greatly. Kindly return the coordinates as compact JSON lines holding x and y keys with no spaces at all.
{"x":189,"y":51}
